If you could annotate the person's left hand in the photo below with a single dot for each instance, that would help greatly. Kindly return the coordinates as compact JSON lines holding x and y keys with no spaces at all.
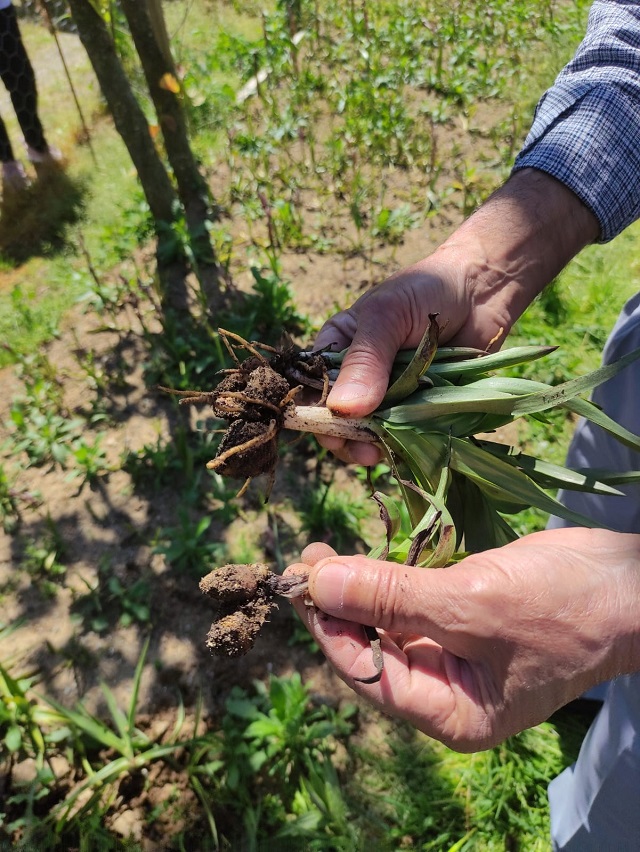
{"x":478,"y":651}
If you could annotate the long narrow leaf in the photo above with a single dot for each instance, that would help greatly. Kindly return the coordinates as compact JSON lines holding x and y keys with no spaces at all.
{"x":423,"y":356}
{"x":582,"y":407}
{"x":486,"y":363}
{"x":575,"y":387}
{"x":120,"y":721}
{"x":550,"y":475}
{"x":612,"y":477}
{"x":425,"y":405}
{"x":491,"y":473}
{"x":479,"y":525}
{"x":133,"y":704}
{"x":95,"y":729}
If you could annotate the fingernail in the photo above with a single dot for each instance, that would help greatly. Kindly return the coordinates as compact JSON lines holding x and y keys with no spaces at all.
{"x":328,"y":586}
{"x":349,"y":392}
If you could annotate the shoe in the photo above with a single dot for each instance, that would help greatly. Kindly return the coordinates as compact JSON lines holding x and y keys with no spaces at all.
{"x":14,"y":177}
{"x":51,"y":156}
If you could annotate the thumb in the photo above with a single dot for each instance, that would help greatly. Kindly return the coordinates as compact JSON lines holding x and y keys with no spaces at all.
{"x":396,"y":598}
{"x":364,"y":375}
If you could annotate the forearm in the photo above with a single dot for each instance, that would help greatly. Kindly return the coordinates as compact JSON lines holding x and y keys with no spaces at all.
{"x":516,"y":243}
{"x":478,"y":283}
{"x":586,"y":130}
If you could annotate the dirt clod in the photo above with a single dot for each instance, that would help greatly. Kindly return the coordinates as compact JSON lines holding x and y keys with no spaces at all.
{"x":247,"y":449}
{"x":234,"y":583}
{"x":244,"y":596}
{"x":234,"y":634}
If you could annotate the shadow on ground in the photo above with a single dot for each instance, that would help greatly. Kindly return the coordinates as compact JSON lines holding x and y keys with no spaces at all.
{"x":35,"y":220}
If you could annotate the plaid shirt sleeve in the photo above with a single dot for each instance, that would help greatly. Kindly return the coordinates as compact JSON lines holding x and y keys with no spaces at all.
{"x":586,"y":129}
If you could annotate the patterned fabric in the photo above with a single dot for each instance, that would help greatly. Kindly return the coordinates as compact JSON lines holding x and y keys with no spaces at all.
{"x":586,"y":129}
{"x":16,"y":72}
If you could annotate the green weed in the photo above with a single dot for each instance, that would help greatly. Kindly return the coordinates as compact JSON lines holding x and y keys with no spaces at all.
{"x":187,"y":547}
{"x":9,"y":508}
{"x":43,"y":559}
{"x":130,"y":752}
{"x":111,"y":602}
{"x":279,"y":734}
{"x":329,"y":514}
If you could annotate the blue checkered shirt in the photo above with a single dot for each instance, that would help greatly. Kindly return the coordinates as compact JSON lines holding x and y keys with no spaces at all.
{"x":586,"y":129}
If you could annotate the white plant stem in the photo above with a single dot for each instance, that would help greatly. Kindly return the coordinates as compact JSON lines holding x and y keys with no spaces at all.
{"x":317,"y":419}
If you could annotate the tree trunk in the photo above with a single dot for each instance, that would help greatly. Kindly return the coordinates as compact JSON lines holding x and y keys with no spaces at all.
{"x":160,"y":74}
{"x":125,"y":109}
{"x":132,"y":126}
{"x":160,"y":29}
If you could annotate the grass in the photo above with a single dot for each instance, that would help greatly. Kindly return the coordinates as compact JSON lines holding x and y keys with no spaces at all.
{"x":420,"y":795}
{"x":381,"y":126}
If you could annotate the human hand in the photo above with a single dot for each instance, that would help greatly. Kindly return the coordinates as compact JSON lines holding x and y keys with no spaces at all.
{"x":479,"y":281}
{"x":393,"y":316}
{"x":483,"y":649}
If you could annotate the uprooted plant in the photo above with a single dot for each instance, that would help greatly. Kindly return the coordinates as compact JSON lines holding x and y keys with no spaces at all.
{"x":457,"y":488}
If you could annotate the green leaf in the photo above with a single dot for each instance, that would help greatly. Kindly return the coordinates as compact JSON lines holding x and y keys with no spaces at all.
{"x":481,"y":396}
{"x":136,"y":686}
{"x":583,"y":407}
{"x":425,"y":405}
{"x":612,"y":477}
{"x":242,"y":708}
{"x":550,"y":475}
{"x":422,"y":357}
{"x":455,"y":370}
{"x":583,"y":384}
{"x":500,"y":481}
{"x":478,"y":524}
{"x":596,"y":415}
{"x":94,"y":728}
{"x":13,"y":738}
{"x":120,"y":721}
{"x":264,"y":728}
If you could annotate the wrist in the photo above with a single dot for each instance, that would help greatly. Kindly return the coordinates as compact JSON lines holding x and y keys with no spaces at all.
{"x":623,"y":611}
{"x":517,"y":242}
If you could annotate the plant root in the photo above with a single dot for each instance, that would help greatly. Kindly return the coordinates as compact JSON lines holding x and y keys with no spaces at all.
{"x":256,"y":399}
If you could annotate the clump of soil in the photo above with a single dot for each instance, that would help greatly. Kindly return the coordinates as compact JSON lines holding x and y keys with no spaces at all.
{"x":244,"y":596}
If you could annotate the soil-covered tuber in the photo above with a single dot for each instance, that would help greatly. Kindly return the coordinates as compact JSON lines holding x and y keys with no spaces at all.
{"x":244,"y":596}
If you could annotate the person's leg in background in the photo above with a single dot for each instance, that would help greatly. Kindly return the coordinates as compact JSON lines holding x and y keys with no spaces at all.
{"x":594,"y":803}
{"x":13,"y":174}
{"x":11,"y":49}
{"x":18,"y":76}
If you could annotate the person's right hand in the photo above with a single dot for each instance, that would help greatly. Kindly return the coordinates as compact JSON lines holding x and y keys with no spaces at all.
{"x":475,"y":652}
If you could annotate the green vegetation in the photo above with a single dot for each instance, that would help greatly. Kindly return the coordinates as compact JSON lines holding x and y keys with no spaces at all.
{"x":382,"y":122}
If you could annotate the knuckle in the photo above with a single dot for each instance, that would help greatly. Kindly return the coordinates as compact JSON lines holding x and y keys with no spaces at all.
{"x":363,"y":357}
{"x":338,"y":331}
{"x":390,"y":599}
